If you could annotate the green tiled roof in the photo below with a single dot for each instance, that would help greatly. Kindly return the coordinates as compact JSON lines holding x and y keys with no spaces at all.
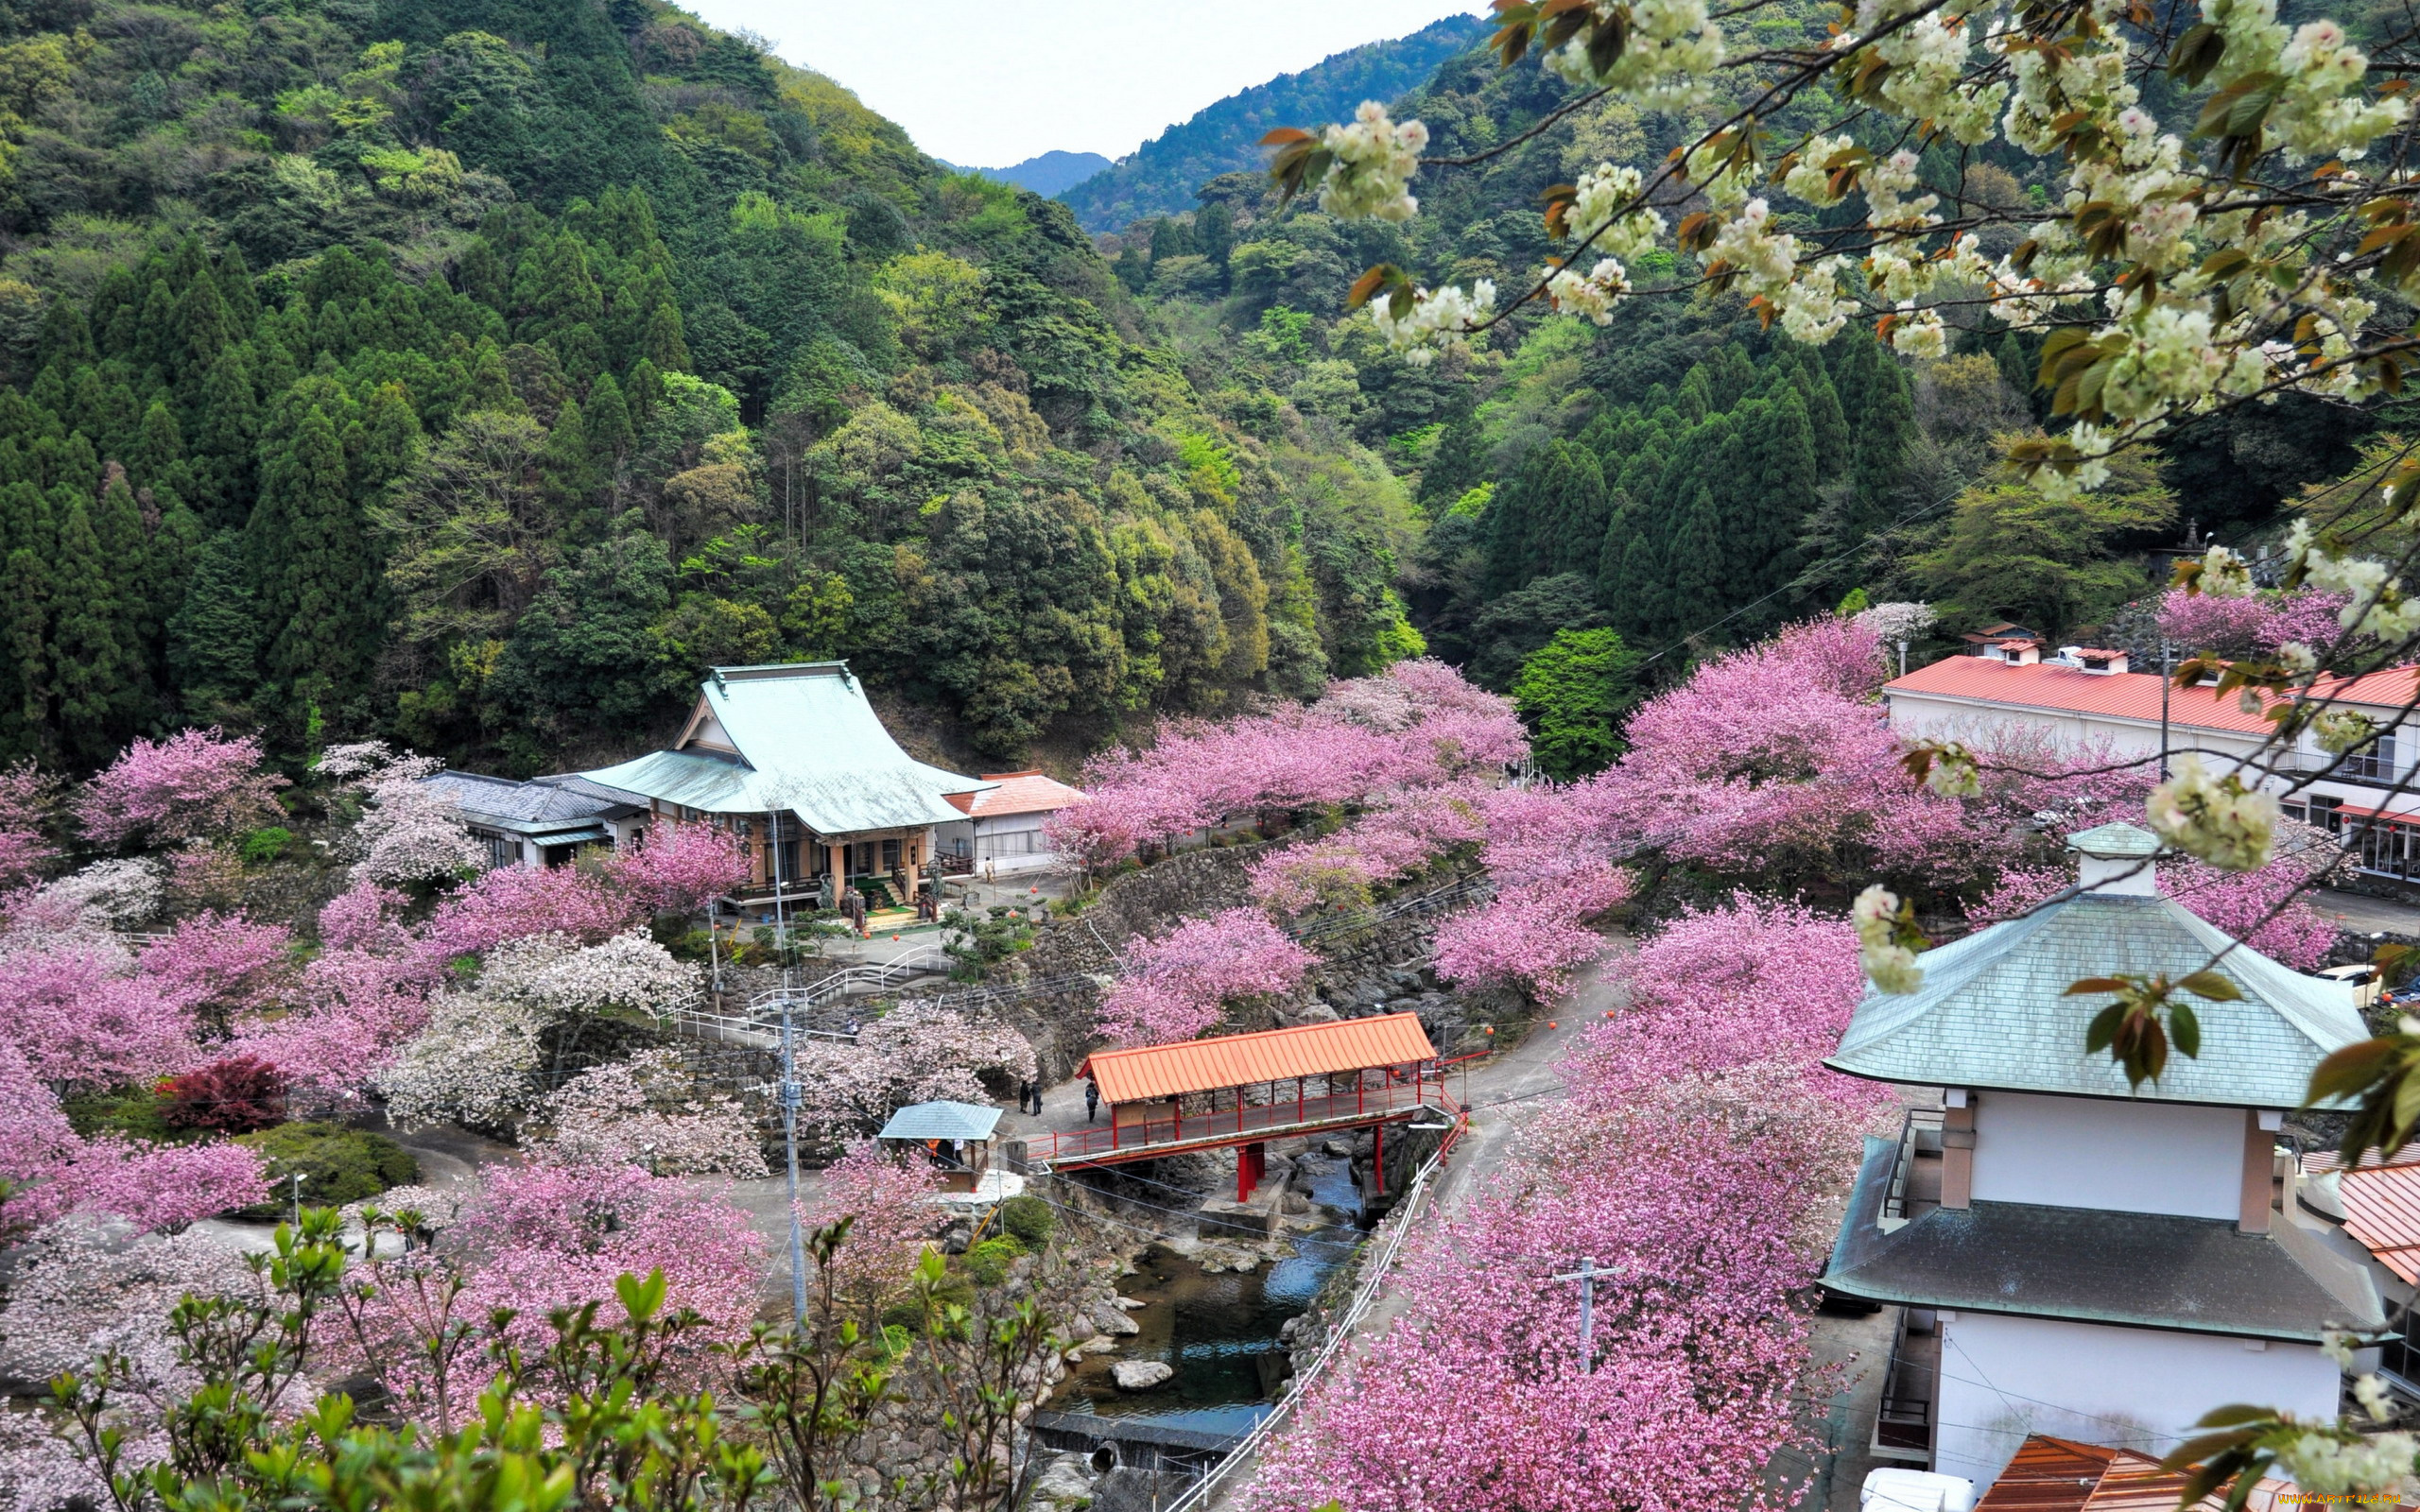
{"x":1991,"y":1015}
{"x":808,"y":742}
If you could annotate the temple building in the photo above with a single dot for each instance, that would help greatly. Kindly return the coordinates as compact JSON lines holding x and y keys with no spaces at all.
{"x":2073,"y":1256}
{"x":795,"y":762}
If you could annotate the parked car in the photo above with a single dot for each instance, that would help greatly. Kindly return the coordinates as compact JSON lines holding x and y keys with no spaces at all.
{"x":2362,"y":980}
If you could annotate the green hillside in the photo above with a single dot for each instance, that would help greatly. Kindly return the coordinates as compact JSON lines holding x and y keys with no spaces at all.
{"x":473,"y":372}
{"x":1160,"y":176}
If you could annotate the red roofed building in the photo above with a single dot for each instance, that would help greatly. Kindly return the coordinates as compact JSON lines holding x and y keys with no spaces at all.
{"x":2083,"y":698}
{"x":1006,"y":827}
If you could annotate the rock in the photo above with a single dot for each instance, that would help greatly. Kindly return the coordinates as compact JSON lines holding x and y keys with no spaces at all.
{"x":1126,"y":1304}
{"x":1316,"y":1013}
{"x":1100,"y":1343}
{"x":1140,"y":1375}
{"x":1342,"y":1149}
{"x":1080,"y":1330}
{"x":1292,"y":1326}
{"x":958,"y":1238}
{"x":1297,"y":1204}
{"x":1066,"y":1482}
{"x":1110,"y":1320}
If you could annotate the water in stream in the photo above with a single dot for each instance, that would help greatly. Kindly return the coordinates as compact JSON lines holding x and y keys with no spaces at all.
{"x":1220,"y":1332}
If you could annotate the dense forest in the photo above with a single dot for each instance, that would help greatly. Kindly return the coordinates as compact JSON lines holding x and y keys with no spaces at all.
{"x":475,"y":371}
{"x":1682,"y":478}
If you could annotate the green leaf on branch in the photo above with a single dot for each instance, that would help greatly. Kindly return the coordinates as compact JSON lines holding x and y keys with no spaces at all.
{"x":2196,"y":54}
{"x":2383,"y":1076}
{"x":2146,"y":1019}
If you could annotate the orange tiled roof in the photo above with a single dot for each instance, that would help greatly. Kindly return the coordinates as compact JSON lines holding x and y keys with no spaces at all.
{"x":2128,"y":695}
{"x":1273,"y":1054}
{"x":1018,"y":793}
{"x":2060,"y":1475}
{"x":2383,"y":1211}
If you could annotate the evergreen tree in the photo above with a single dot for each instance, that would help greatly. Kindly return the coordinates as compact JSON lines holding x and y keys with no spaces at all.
{"x":1571,"y":692}
{"x":313,"y":569}
{"x":97,"y":672}
{"x":225,"y":430}
{"x":213,"y":637}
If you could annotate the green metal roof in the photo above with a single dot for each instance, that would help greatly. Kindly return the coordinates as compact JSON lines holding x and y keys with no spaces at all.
{"x":2120,"y":841}
{"x":1991,"y":1015}
{"x":810,"y":742}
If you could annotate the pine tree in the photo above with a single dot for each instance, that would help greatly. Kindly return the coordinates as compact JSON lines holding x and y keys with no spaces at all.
{"x":226,"y":429}
{"x":1569,"y":532}
{"x":203,"y":327}
{"x":126,"y":547}
{"x":663,"y":343}
{"x":25,"y":659}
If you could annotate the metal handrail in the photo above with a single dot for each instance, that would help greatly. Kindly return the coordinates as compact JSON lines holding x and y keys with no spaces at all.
{"x":1374,"y":1278}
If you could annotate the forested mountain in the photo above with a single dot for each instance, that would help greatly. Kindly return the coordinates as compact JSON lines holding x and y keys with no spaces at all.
{"x":474,"y":372}
{"x":1159,"y":177}
{"x":1682,"y":475}
{"x":1047,"y":173}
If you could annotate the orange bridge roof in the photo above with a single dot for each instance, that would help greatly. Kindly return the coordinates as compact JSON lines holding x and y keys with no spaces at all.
{"x":1273,"y":1054}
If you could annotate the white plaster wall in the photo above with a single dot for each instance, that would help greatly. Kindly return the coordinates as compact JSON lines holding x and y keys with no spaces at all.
{"x":2002,"y":1378}
{"x":2087,"y":1151}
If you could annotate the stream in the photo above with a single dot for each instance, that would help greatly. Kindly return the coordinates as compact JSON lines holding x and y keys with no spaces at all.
{"x":1220,"y":1332}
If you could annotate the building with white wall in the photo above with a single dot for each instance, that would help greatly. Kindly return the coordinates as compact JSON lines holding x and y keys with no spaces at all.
{"x":1007,"y":827}
{"x":2082,"y":700}
{"x":2092,"y":1260}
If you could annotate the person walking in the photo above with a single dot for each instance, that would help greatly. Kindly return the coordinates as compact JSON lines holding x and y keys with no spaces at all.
{"x":1024,"y":1097}
{"x":1092,"y":1098}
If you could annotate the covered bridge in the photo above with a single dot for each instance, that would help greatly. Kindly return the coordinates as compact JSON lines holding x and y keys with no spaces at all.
{"x":1247,"y":1089}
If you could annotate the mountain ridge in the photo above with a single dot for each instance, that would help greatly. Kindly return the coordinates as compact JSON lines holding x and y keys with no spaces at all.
{"x":1045,"y":173}
{"x":1159,"y":177}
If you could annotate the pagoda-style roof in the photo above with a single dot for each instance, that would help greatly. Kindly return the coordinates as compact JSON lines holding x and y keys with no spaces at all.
{"x":1990,"y":1013}
{"x":798,"y":737}
{"x":2092,"y":1265}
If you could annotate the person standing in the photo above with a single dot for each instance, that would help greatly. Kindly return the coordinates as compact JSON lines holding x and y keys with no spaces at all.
{"x":1024,"y":1097}
{"x":1092,"y":1098}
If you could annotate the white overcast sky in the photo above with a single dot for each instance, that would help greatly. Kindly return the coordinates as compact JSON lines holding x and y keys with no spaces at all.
{"x":987,"y":83}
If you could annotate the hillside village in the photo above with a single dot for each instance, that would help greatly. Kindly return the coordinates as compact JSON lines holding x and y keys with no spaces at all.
{"x":1615,"y":759}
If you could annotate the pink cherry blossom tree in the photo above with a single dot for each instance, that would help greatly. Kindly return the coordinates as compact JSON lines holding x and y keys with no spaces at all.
{"x":678,"y":868}
{"x":151,"y":1187}
{"x":515,"y":902}
{"x":1179,"y":985}
{"x":1706,"y":1179}
{"x":551,"y":1234}
{"x":26,"y":796}
{"x":224,"y":964}
{"x":916,"y":1053}
{"x":884,"y":1194}
{"x":197,"y":784}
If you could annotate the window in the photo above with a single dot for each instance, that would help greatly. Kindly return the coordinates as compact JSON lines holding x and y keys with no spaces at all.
{"x":2375,"y":760}
{"x":502,"y":850}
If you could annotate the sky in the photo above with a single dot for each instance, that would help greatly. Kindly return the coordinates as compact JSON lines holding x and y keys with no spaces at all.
{"x":988,"y":84}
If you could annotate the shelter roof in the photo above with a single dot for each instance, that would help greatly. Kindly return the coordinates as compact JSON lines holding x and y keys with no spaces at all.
{"x":801,"y":738}
{"x":2060,"y":1475}
{"x":1272,"y":1055}
{"x":1992,"y":1011}
{"x":2093,"y":1265}
{"x":943,"y":1120}
{"x":1017,"y":793}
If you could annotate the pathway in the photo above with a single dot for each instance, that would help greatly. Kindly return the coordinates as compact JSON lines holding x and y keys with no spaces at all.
{"x":1505,"y":1093}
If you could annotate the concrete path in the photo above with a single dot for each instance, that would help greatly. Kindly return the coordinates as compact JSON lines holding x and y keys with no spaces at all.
{"x":2367,"y":916}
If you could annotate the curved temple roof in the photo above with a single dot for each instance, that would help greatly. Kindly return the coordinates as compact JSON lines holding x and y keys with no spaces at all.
{"x":802,"y":738}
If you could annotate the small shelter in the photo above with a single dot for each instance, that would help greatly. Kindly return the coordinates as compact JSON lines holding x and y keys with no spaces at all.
{"x":1245,"y":1089}
{"x":956,"y":1137}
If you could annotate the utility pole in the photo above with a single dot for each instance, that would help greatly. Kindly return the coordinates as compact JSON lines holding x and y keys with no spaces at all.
{"x":789,"y":1141}
{"x":2166,"y":655}
{"x":298,"y":1202}
{"x":1587,"y":1276}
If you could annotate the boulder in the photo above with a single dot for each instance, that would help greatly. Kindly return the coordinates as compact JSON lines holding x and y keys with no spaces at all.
{"x":958,"y":1238}
{"x":1066,"y":1482}
{"x":1297,"y":1204}
{"x":1110,"y":1320}
{"x":1342,"y":1149}
{"x":1141,"y":1375}
{"x":1126,"y":1304}
{"x":1316,"y":1013}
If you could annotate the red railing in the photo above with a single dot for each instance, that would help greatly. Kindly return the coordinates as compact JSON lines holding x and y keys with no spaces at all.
{"x":1368,"y":1101}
